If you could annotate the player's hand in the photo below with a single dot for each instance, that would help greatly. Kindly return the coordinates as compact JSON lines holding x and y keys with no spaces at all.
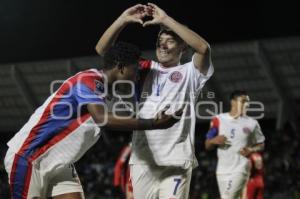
{"x":245,"y":151}
{"x":220,"y":140}
{"x":157,"y":13}
{"x":134,"y":14}
{"x":163,"y":121}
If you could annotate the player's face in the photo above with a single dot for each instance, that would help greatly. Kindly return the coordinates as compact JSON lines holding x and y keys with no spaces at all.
{"x":168,"y":50}
{"x":242,"y":103}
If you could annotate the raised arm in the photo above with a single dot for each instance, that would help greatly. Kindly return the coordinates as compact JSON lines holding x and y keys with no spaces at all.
{"x":202,"y":54}
{"x":134,"y":14}
{"x":103,"y":118}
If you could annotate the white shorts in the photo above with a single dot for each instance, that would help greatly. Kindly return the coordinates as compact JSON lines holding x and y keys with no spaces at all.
{"x":231,"y":185}
{"x":157,"y":182}
{"x":27,"y":181}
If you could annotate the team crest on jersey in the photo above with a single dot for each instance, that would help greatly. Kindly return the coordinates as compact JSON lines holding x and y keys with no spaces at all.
{"x":99,"y":87}
{"x":246,"y":130}
{"x":176,"y":76}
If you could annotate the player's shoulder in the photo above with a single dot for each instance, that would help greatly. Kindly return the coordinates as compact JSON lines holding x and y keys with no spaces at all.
{"x":145,"y":64}
{"x":250,"y":122}
{"x":216,"y":119}
{"x":215,"y":122}
{"x":91,"y":78}
{"x":222,"y":116}
{"x":87,"y":75}
{"x":250,"y":119}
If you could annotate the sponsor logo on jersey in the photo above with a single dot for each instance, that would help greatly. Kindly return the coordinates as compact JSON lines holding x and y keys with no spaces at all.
{"x":176,"y":76}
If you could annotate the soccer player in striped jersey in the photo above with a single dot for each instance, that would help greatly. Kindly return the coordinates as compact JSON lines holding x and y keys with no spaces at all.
{"x":40,"y":157}
{"x":236,"y":137}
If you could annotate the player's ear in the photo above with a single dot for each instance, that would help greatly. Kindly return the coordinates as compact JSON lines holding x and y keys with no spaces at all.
{"x":120,"y":67}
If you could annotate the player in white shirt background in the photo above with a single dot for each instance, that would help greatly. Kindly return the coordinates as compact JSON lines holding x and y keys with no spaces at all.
{"x":162,"y":161}
{"x":40,"y":158}
{"x":236,"y":136}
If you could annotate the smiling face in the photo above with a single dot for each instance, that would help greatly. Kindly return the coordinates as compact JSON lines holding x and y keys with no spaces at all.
{"x":168,"y":50}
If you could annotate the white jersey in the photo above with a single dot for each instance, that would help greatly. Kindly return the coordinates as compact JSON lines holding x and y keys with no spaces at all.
{"x":58,"y":132}
{"x":173,"y":86}
{"x":241,"y":132}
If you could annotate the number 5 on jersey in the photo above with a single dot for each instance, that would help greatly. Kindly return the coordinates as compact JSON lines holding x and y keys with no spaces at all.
{"x":232,"y":133}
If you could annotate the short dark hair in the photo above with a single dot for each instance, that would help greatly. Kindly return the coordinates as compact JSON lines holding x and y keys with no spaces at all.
{"x":168,"y":31}
{"x":121,"y":54}
{"x":237,"y":93}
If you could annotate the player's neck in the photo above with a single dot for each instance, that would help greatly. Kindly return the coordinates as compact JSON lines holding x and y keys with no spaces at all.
{"x":234,"y":113}
{"x":169,"y":64}
{"x":109,"y":77}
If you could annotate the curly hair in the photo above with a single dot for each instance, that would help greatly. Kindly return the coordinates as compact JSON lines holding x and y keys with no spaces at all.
{"x":121,"y":54}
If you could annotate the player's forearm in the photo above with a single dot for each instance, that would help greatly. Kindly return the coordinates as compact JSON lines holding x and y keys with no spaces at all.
{"x":128,"y":124}
{"x":209,"y":145}
{"x":257,"y":147}
{"x":103,"y":118}
{"x":190,"y":37}
{"x":110,"y":36}
{"x":111,"y":121}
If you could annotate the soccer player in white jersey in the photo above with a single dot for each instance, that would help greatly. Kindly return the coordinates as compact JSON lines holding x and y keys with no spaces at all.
{"x":236,"y":136}
{"x":162,"y":161}
{"x":40,"y":157}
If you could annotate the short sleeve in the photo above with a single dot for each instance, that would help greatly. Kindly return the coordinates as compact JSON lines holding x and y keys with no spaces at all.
{"x":144,"y":64}
{"x":258,"y":136}
{"x":144,"y":69}
{"x":89,"y":89}
{"x":215,"y":123}
{"x":199,"y":79}
{"x":85,"y":95}
{"x":214,"y":128}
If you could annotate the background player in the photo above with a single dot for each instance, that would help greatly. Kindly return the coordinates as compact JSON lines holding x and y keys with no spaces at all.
{"x":122,"y":172}
{"x":40,"y":156}
{"x":255,"y":186}
{"x":236,"y":136}
{"x":162,"y":161}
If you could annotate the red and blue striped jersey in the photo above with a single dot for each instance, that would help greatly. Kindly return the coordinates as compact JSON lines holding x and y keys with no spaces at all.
{"x":62,"y":130}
